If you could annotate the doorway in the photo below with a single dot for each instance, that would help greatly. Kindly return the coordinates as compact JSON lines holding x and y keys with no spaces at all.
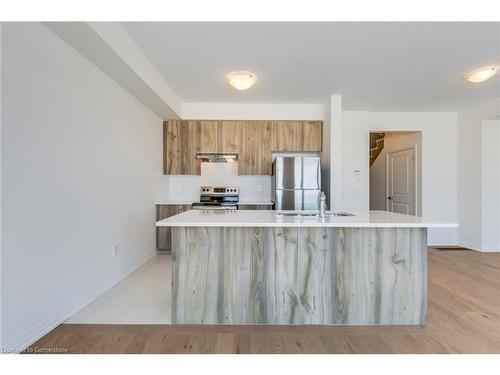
{"x":395,"y":172}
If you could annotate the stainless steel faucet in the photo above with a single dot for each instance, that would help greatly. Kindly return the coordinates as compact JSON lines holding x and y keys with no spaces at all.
{"x":322,"y":205}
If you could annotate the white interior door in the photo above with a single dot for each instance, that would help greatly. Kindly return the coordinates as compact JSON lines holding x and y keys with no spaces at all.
{"x":401,"y":182}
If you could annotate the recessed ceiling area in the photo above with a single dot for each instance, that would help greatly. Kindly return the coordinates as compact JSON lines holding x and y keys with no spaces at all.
{"x":374,"y":66}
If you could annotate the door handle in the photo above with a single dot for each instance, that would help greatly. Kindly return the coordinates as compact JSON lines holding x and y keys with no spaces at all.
{"x":389,"y":198}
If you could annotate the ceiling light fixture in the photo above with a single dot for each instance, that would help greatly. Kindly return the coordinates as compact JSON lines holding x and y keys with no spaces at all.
{"x":241,"y":80}
{"x":482,"y":74}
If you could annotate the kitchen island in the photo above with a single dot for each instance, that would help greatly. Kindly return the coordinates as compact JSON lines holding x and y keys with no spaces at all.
{"x":257,"y":267}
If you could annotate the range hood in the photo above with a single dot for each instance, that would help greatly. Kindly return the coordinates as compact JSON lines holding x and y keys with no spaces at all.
{"x":216,"y":158}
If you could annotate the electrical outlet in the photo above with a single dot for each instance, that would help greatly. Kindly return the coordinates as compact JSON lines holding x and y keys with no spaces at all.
{"x":259,"y":187}
{"x":116,"y":250}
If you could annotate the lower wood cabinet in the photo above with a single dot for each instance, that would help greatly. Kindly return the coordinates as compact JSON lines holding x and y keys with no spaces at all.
{"x":164,"y":234}
{"x":255,"y":207}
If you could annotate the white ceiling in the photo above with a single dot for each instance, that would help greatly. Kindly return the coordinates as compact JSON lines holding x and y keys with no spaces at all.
{"x":375,"y":66}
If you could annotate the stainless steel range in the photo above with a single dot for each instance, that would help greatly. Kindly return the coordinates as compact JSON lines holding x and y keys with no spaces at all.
{"x":218,"y":198}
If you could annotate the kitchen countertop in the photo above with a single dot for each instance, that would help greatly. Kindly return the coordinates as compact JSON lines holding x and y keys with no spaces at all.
{"x":256,"y":203}
{"x":269,"y":218}
{"x":166,"y":203}
{"x":191,"y":202}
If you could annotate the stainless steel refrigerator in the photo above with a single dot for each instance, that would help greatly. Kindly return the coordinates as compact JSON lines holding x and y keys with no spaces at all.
{"x":296,"y":182}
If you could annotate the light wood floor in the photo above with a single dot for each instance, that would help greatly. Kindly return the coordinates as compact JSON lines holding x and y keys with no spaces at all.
{"x":464,"y":317}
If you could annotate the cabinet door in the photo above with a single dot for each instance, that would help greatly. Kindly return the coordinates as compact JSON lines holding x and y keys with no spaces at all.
{"x":164,"y":234}
{"x":296,"y":136}
{"x":179,"y":147}
{"x":206,"y":136}
{"x":228,"y":136}
{"x":310,"y":135}
{"x":171,"y":147}
{"x":265,"y":140}
{"x":255,"y":148}
{"x":188,"y":147}
{"x":248,"y":162}
{"x":183,"y":140}
{"x":284,"y":136}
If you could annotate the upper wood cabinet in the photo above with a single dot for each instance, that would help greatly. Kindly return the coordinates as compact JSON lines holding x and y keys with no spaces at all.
{"x":296,"y":136}
{"x":311,"y":135}
{"x":179,"y":147}
{"x":228,"y":137}
{"x":171,"y":151}
{"x":206,"y":136}
{"x":182,"y":140}
{"x":255,"y":148}
{"x":285,"y":136}
{"x":253,"y":141}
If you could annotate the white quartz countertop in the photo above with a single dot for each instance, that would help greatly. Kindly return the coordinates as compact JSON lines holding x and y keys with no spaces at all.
{"x":252,"y":203}
{"x":255,"y":203}
{"x":167,"y":203}
{"x":270,"y":218}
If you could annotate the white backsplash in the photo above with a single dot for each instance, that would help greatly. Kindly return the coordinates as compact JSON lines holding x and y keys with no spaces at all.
{"x":187,"y":188}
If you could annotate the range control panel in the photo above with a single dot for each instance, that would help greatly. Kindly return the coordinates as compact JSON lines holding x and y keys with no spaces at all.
{"x":206,"y":190}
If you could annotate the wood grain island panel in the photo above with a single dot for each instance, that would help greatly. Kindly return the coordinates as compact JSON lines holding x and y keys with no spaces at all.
{"x":317,"y":275}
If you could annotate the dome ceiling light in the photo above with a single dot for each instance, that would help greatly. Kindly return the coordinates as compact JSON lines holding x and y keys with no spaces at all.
{"x":482,"y":74}
{"x":241,"y":80}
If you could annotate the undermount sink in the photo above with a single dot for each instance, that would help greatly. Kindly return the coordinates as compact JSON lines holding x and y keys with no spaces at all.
{"x":297,"y":214}
{"x":339,"y":214}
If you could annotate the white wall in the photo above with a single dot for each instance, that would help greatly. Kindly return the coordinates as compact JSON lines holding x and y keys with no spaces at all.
{"x":1,"y":257}
{"x":252,"y":111}
{"x":326,"y":151}
{"x":336,"y":150}
{"x":186,"y":189}
{"x":81,"y":162}
{"x":469,"y":171}
{"x":394,"y":142}
{"x":439,"y":162}
{"x":490,"y":185}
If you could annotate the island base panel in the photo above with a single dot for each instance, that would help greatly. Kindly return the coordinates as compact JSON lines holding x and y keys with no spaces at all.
{"x":242,"y":275}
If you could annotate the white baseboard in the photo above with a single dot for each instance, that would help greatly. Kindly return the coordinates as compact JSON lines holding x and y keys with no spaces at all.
{"x":60,"y":316}
{"x":476,"y":248}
